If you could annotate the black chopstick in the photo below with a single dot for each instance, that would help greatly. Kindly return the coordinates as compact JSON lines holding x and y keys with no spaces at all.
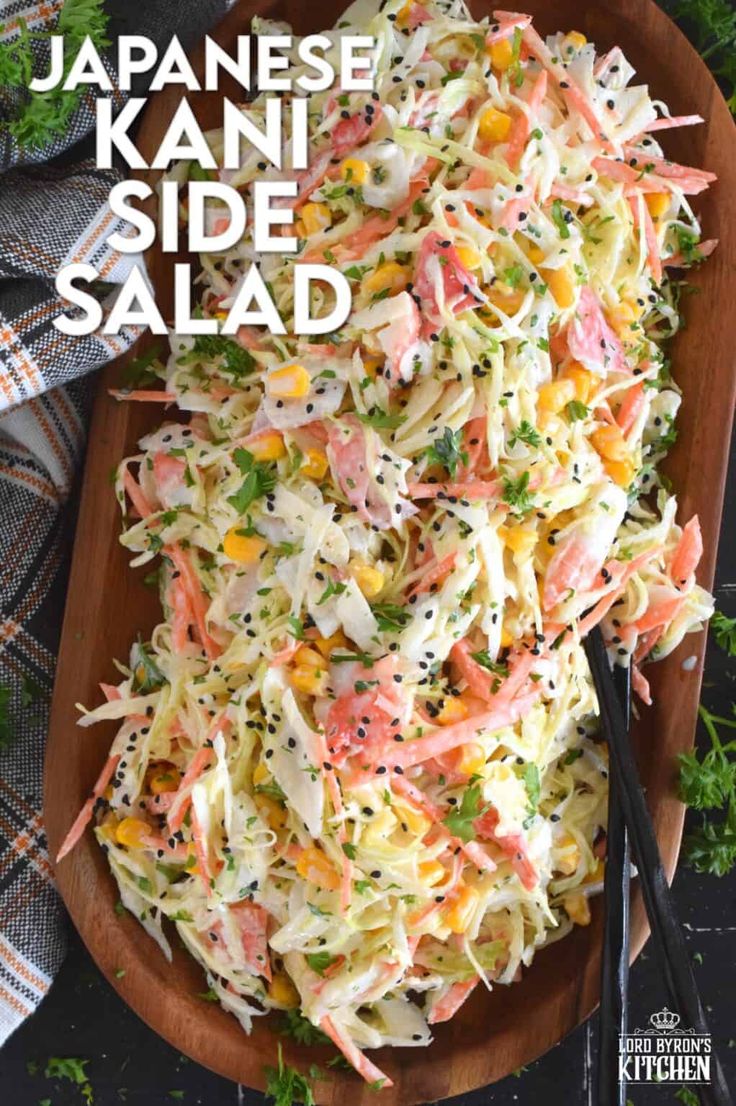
{"x":613,"y":1019}
{"x":666,"y":930}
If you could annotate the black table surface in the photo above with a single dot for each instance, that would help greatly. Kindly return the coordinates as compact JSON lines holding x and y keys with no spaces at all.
{"x":83,"y":1017}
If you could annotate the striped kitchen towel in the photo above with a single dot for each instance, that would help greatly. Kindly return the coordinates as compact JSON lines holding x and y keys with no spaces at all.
{"x":50,"y":215}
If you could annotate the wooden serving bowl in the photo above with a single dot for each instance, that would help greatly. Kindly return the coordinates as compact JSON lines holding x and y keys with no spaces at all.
{"x":108,"y":604}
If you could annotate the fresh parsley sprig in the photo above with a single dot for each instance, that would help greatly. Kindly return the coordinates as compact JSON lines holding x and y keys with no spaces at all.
{"x":236,"y":361}
{"x":724,"y":631}
{"x":296,"y":1026}
{"x":516,"y":493}
{"x":525,"y":433}
{"x":45,"y":116}
{"x":709,"y":784}
{"x":286,"y":1086}
{"x":711,"y":26}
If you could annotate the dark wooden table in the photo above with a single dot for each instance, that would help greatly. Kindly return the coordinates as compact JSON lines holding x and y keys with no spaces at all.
{"x":83,"y":1017}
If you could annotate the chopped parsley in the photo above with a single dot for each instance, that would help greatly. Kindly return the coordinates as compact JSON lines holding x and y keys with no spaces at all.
{"x":391,"y":617}
{"x":460,"y":819}
{"x":236,"y":361}
{"x":559,"y":218}
{"x":381,"y":420}
{"x":526,"y":433}
{"x":576,"y":411}
{"x":516,"y":493}
{"x":446,"y":451}
{"x":300,"y":1029}
{"x":260,"y":479}
{"x":319,"y":962}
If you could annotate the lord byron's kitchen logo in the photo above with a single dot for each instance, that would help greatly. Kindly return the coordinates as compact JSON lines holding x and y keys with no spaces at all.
{"x":664,"y":1053}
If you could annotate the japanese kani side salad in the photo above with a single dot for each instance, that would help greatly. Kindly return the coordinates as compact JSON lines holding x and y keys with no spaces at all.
{"x":358,"y":765}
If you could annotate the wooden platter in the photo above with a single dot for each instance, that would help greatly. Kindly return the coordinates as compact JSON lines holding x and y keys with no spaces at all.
{"x":108,"y":605}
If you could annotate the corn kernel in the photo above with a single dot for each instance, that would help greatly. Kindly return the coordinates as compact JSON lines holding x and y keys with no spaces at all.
{"x":163,"y":780}
{"x":554,"y":395}
{"x":315,"y":464}
{"x":500,"y":752}
{"x":131,"y":832}
{"x":355,"y":170}
{"x":414,"y":820}
{"x":260,"y":773}
{"x":246,"y":549}
{"x":509,"y":302}
{"x":452,"y":710}
{"x":469,"y":257}
{"x":609,"y":442}
{"x":575,"y":39}
{"x":561,"y":284}
{"x":577,"y":908}
{"x":584,"y":381}
{"x":372,"y":365}
{"x":431,"y":872}
{"x":624,"y":316}
{"x":460,"y":914}
{"x":288,"y":382}
{"x":403,"y":15}
{"x":521,"y":540}
{"x":308,"y":680}
{"x":282,"y":991}
{"x":568,"y":863}
{"x":268,"y":446}
{"x":621,"y":472}
{"x":390,"y":275}
{"x":370,"y":580}
{"x":328,"y":645}
{"x":658,"y":203}
{"x":501,"y":54}
{"x":507,"y":639}
{"x":316,"y":217}
{"x":272,"y":811}
{"x":315,"y":867}
{"x":494,"y":125}
{"x":312,"y":658}
{"x":471,"y":758}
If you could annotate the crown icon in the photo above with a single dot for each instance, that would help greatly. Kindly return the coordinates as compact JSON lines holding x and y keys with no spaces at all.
{"x":665,"y":1020}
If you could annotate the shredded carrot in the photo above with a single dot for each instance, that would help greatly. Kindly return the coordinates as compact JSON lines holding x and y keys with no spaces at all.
{"x":353,"y":1055}
{"x":434,"y":575}
{"x":85,"y":815}
{"x":136,"y":495}
{"x":143,"y":395}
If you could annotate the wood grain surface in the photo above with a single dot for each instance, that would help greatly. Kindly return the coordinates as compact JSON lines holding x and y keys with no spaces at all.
{"x":108,"y":605}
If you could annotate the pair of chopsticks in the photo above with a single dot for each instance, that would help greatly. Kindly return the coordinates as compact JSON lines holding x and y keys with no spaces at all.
{"x":631,"y":819}
{"x":613,"y":1017}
